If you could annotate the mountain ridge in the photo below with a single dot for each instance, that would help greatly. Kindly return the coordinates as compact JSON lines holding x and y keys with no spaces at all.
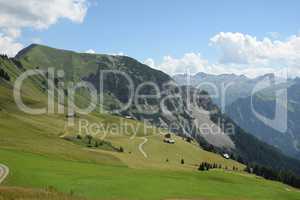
{"x":76,"y":62}
{"x":264,"y":103}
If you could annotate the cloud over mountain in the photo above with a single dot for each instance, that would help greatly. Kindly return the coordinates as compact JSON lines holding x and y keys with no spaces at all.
{"x":192,"y":62}
{"x":16,"y":15}
{"x":246,"y":49}
{"x":240,"y":54}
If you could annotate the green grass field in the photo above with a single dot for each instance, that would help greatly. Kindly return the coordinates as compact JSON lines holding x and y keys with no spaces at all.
{"x":120,"y":182}
{"x":18,"y":193}
{"x":38,"y":157}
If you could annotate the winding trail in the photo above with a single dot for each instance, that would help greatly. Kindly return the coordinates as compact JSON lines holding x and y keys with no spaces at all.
{"x":4,"y":171}
{"x":141,"y":147}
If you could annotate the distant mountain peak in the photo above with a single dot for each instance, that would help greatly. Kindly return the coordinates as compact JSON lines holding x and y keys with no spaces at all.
{"x":268,"y":75}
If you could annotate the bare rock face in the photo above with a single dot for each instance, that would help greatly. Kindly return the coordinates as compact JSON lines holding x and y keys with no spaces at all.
{"x":210,"y":131}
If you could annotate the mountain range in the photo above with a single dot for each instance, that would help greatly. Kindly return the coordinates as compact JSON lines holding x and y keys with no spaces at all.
{"x":88,"y":66}
{"x":225,"y":88}
{"x":264,"y":103}
{"x":237,"y":105}
{"x":45,"y":146}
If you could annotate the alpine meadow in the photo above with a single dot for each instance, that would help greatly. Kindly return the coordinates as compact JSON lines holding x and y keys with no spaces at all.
{"x":111,"y":100}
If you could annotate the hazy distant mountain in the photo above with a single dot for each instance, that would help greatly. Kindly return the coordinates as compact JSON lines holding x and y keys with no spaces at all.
{"x":238,"y":106}
{"x":264,"y":103}
{"x":231,"y":85}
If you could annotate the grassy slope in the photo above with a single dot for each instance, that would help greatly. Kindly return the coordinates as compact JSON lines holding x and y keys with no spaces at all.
{"x":108,"y":182}
{"x":79,"y":65}
{"x":37,"y":157}
{"x":158,"y":152}
{"x":83,"y":66}
{"x":47,"y":129}
{"x":18,"y":193}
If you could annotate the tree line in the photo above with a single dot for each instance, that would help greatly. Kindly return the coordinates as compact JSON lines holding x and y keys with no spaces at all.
{"x":4,"y":56}
{"x":205,"y":166}
{"x":283,"y":176}
{"x":286,"y":177}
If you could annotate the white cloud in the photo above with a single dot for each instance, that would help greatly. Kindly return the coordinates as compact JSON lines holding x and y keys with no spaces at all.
{"x":246,"y":54}
{"x":118,"y":54}
{"x":16,"y":15}
{"x":240,"y":54}
{"x":90,"y":51}
{"x":192,"y":62}
{"x":186,"y":64}
{"x":8,"y":46}
{"x":245,"y":49}
{"x":176,"y":66}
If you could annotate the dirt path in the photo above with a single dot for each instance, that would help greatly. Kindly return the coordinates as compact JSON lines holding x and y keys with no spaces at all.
{"x":4,"y":171}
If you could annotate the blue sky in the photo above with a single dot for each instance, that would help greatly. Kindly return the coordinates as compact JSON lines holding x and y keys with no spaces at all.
{"x":155,"y":29}
{"x":143,"y":28}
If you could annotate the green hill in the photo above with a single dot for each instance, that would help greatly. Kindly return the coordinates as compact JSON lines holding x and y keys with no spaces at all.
{"x":43,"y":152}
{"x":81,"y":66}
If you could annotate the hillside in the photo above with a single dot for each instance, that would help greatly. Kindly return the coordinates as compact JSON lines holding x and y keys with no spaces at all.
{"x":42,"y":152}
{"x":82,"y":66}
{"x":238,"y":106}
{"x":26,"y":193}
{"x":264,"y":103}
{"x":88,"y":67}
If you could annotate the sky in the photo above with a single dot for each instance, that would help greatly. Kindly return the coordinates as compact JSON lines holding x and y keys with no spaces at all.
{"x":176,"y":36}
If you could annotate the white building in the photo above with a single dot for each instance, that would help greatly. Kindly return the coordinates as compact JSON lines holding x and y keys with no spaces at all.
{"x":225,"y":155}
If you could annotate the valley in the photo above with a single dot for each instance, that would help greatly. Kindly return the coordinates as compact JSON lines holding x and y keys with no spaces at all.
{"x":43,"y":157}
{"x":149,"y":100}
